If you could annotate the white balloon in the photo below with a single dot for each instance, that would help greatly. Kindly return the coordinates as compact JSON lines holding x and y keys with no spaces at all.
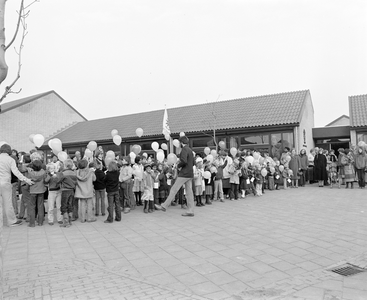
{"x":160,"y":156}
{"x":155,"y":146}
{"x":50,"y":143}
{"x":210,"y":158}
{"x":88,"y":153}
{"x":111,"y":154}
{"x":56,"y":146}
{"x":176,"y":143}
{"x":139,"y":132}
{"x":38,"y":140}
{"x":117,"y":139}
{"x":62,"y":156}
{"x":114,"y":132}
{"x":132,"y":157}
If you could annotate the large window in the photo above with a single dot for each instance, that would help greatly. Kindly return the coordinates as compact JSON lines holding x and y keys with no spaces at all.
{"x":203,"y":142}
{"x":255,"y":140}
{"x":273,"y":143}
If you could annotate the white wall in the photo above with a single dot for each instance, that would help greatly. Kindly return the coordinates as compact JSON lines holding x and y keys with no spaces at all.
{"x":307,"y":123}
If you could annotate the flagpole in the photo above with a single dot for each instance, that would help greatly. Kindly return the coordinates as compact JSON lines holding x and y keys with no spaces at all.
{"x":166,"y":130}
{"x":170,"y":144}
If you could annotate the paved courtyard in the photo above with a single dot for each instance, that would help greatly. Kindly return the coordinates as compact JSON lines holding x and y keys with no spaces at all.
{"x":278,"y":246}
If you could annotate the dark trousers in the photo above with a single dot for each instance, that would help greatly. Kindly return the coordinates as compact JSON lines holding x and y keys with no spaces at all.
{"x":67,"y":201}
{"x":234,"y":191}
{"x":113,"y":202}
{"x":302,"y":178}
{"x":361,"y":177}
{"x":124,"y":195}
{"x":36,"y":200}
{"x":24,"y":203}
{"x":76,"y":209}
{"x":100,"y":201}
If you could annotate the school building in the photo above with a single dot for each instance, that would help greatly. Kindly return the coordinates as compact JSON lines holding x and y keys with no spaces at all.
{"x":46,"y":113}
{"x":345,"y":131}
{"x":266,"y":123}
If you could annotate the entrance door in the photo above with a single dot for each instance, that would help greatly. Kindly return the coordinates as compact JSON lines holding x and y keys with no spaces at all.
{"x":336,"y":146}
{"x":325,"y":146}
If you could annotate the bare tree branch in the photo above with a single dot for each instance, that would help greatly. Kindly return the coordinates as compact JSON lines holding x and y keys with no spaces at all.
{"x":212,"y":122}
{"x":8,"y":89}
{"x":18,"y":24}
{"x":26,"y":7}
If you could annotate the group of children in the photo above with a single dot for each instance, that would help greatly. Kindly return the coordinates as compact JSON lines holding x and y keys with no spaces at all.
{"x":235,"y":177}
{"x":143,"y":182}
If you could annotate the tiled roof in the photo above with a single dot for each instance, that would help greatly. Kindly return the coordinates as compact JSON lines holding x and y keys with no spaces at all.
{"x":5,"y":106}
{"x":16,"y":103}
{"x":358,"y":110}
{"x":260,"y":111}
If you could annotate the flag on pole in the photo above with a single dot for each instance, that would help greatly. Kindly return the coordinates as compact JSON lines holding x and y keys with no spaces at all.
{"x":166,"y":131}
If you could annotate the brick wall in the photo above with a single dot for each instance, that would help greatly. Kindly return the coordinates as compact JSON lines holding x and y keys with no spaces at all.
{"x":45,"y":116}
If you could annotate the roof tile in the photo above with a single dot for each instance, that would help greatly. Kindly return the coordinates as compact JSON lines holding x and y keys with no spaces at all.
{"x":267,"y":110}
{"x":358,"y":110}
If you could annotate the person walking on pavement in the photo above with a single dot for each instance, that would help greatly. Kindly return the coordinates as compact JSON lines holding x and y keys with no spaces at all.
{"x":7,"y":167}
{"x":185,"y":176}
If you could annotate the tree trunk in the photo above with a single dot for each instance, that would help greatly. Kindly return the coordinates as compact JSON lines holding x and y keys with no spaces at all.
{"x":3,"y":65}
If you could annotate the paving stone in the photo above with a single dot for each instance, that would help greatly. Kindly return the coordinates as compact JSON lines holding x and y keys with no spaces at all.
{"x":278,"y":246}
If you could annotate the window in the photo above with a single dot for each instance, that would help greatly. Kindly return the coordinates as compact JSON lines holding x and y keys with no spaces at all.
{"x":254,"y":140}
{"x":112,"y":147}
{"x":278,"y":142}
{"x":362,"y":137}
{"x":233,"y":142}
{"x":288,"y":140}
{"x":144,"y":146}
{"x":276,"y":147}
{"x":203,"y":142}
{"x":71,"y":151}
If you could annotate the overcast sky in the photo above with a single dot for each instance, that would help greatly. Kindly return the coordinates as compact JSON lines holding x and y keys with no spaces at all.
{"x":116,"y":57}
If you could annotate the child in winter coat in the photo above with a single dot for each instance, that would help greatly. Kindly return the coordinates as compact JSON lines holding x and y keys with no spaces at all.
{"x":259,"y":180}
{"x":84,"y":190}
{"x":208,"y":184}
{"x":198,"y":179}
{"x":234,"y":179}
{"x":53,"y":179}
{"x":112,"y":188}
{"x":68,"y":184}
{"x":163,"y":188}
{"x":148,"y":197}
{"x":278,"y":180}
{"x":244,"y":179}
{"x":99,"y":189}
{"x":218,"y":184}
{"x":155,"y":174}
{"x":37,"y":190}
{"x":286,"y":178}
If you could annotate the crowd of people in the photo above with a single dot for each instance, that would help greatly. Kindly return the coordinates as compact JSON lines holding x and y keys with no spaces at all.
{"x":78,"y":187}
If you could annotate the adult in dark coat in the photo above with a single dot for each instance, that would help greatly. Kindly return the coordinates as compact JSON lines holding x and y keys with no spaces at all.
{"x":185,"y":176}
{"x":320,"y":173}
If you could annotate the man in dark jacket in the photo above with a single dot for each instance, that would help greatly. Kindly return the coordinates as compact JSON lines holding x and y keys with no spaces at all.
{"x":185,"y":176}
